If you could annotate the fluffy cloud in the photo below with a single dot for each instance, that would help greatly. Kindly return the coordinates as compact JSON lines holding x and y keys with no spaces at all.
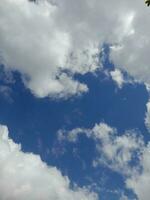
{"x":43,"y":40}
{"x":126,"y":154}
{"x":114,"y":151}
{"x":124,"y":25}
{"x":25,"y":176}
{"x":34,"y":44}
{"x":131,"y":52}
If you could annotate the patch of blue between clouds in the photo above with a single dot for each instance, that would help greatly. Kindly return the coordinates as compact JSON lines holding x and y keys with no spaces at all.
{"x":34,"y":123}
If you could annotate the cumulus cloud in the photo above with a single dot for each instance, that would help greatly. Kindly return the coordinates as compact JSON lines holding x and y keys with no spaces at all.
{"x":116,"y":152}
{"x":51,"y":40}
{"x":124,"y":25}
{"x":126,"y":154}
{"x":25,"y":176}
{"x":34,"y":44}
{"x":132,"y":51}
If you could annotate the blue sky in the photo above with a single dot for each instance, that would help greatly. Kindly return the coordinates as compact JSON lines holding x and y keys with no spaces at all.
{"x":34,"y":124}
{"x":67,"y":107}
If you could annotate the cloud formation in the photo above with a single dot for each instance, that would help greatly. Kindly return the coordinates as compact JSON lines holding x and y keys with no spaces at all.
{"x":126,"y":154}
{"x":51,"y":40}
{"x":25,"y":176}
{"x":33,"y":44}
{"x":116,"y":152}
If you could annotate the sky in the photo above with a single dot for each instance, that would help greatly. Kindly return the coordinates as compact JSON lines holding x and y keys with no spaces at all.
{"x":74,"y":100}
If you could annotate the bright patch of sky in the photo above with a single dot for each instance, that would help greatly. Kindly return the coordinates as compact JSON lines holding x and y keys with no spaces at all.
{"x":74,"y":100}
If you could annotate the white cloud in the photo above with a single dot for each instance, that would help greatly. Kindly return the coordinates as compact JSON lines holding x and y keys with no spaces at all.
{"x":25,"y":176}
{"x":117,"y":152}
{"x":124,"y":24}
{"x":41,"y":40}
{"x":139,"y":182}
{"x":126,"y":154}
{"x":131,"y":52}
{"x":40,"y":48}
{"x":117,"y":76}
{"x":114,"y":151}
